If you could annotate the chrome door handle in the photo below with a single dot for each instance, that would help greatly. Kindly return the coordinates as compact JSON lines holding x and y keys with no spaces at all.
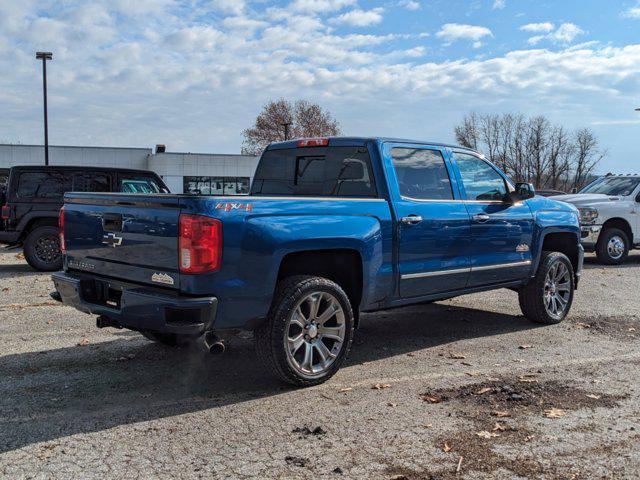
{"x":481,"y":218}
{"x":411,"y":219}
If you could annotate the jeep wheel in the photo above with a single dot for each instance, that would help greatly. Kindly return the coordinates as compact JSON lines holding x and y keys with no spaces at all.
{"x":612,"y":247}
{"x":548,"y":297}
{"x":308,"y":331}
{"x":42,"y":249}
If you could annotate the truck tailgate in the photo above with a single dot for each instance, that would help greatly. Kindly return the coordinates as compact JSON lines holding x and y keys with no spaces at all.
{"x":129,"y":237}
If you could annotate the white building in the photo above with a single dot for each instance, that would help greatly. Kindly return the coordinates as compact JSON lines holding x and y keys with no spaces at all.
{"x":204,"y":173}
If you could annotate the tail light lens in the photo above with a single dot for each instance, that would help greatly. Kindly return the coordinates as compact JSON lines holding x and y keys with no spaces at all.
{"x":63,"y":247}
{"x":313,"y":142}
{"x":200,"y":244}
{"x":5,"y":212}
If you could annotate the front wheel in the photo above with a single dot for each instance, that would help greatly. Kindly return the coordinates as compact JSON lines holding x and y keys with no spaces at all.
{"x":612,"y":247}
{"x":308,"y":331}
{"x":548,"y":297}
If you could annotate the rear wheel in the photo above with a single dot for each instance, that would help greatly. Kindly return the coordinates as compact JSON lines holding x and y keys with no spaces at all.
{"x":308,"y":331}
{"x":612,"y":247}
{"x":548,"y":297}
{"x":42,"y":249}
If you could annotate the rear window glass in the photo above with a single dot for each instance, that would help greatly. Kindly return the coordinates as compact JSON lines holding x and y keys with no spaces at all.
{"x":140,"y":184}
{"x":422,"y":174}
{"x":318,"y":171}
{"x":43,"y":184}
{"x":98,"y":182}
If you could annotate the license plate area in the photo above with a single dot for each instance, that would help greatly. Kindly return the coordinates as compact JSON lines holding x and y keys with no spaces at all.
{"x":101,"y":292}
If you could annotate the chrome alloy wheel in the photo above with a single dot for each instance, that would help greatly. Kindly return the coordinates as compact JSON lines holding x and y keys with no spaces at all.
{"x":616,"y":247}
{"x":315,"y":333}
{"x":557,"y":290}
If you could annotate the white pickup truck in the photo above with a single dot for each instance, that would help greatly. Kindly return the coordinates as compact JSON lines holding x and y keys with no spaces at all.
{"x":609,"y":216}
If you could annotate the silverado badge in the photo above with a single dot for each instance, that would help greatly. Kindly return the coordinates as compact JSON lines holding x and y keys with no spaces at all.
{"x":162,"y":278}
{"x":112,"y":240}
{"x":523,"y":247}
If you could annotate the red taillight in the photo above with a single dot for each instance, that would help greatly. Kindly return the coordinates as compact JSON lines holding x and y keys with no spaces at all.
{"x":313,"y":142}
{"x":63,"y":247}
{"x":5,"y":212}
{"x":200,"y":244}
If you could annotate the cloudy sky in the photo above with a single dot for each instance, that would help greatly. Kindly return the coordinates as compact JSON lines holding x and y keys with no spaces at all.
{"x":193,"y":74}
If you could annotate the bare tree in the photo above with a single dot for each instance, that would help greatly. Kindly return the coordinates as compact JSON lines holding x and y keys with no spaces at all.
{"x":586,"y":158}
{"x":533,"y":149}
{"x":282,"y":120}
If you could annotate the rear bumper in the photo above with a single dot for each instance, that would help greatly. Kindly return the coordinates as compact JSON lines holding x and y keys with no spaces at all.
{"x":135,"y":307}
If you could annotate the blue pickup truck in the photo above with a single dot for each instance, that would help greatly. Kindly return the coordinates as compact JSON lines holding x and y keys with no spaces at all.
{"x":332,"y":228}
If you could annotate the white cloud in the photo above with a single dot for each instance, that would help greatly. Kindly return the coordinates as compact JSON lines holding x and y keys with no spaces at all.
{"x":235,"y":7}
{"x":632,"y":12}
{"x":361,"y":18}
{"x":564,"y":34}
{"x":196,"y":85}
{"x":320,"y":5}
{"x":452,"y":32}
{"x":499,"y":4}
{"x":410,"y":4}
{"x":537,"y":27}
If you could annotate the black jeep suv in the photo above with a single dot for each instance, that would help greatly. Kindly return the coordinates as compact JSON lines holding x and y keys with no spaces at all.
{"x":32,"y":196}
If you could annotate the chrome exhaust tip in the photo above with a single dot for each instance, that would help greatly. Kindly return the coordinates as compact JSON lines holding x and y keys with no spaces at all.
{"x":213,"y":344}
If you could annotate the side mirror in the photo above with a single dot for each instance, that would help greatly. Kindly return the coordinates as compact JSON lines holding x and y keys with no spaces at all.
{"x":574,"y":190}
{"x":523,"y":191}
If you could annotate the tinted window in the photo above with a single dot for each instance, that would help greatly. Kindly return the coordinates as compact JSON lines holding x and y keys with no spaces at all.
{"x":140,"y":184}
{"x":481,"y":181}
{"x":422,"y":174}
{"x":43,"y":184}
{"x":317,"y":171}
{"x":98,"y":182}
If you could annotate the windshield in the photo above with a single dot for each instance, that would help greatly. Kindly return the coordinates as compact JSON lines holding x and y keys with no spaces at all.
{"x":623,"y":186}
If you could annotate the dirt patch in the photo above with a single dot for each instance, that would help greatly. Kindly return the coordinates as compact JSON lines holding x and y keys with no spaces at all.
{"x":494,"y":409}
{"x":526,"y":394}
{"x":620,"y":328}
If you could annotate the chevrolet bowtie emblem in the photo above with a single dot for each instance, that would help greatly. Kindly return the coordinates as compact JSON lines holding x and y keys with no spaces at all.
{"x":112,"y":240}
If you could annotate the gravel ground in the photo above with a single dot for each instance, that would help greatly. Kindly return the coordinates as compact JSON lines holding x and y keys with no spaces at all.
{"x":465,"y":388}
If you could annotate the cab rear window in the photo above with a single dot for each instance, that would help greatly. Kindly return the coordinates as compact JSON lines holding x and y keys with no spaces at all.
{"x":317,"y":171}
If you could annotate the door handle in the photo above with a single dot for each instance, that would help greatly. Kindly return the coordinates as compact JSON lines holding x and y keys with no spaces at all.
{"x":481,"y":218}
{"x":112,"y":222}
{"x":411,"y":219}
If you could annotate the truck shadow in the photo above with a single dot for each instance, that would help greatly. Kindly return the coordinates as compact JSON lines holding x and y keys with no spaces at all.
{"x":16,"y":270}
{"x":57,"y":393}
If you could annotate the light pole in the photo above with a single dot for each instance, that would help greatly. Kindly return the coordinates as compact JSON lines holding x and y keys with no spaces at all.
{"x":286,"y":126}
{"x":44,"y":56}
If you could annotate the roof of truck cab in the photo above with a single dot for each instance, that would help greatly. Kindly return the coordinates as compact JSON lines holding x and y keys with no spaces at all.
{"x":78,"y":168}
{"x":361,"y":141}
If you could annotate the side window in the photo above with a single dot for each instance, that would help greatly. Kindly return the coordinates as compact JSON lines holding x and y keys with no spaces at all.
{"x":43,"y":185}
{"x":422,"y":174}
{"x":98,"y":182}
{"x":480,"y":180}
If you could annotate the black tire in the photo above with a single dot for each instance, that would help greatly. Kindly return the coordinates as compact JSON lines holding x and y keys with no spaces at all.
{"x":270,"y":336}
{"x":168,"y":339}
{"x":42,"y":249}
{"x":533,"y":297}
{"x":605,"y":254}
